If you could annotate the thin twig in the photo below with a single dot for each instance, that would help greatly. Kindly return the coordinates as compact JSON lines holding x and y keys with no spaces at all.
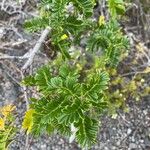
{"x":25,"y":91}
{"x":36,"y":48}
{"x":133,"y":73}
{"x":27,"y":107}
{"x":13,"y":57}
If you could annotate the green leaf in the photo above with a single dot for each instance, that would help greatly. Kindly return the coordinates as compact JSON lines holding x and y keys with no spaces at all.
{"x":71,"y":113}
{"x":62,"y":129}
{"x":42,"y":77}
{"x":56,"y":82}
{"x":71,"y":82}
{"x":116,"y":7}
{"x":36,"y":24}
{"x":87,"y":132}
{"x":64,"y":71}
{"x":50,"y":128}
{"x":85,"y":7}
{"x":97,"y":84}
{"x":4,"y":135}
{"x":106,"y":44}
{"x":29,"y":81}
{"x":63,"y":47}
{"x":51,"y":110}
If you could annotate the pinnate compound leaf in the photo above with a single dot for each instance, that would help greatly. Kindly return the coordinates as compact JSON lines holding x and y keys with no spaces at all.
{"x":87,"y":132}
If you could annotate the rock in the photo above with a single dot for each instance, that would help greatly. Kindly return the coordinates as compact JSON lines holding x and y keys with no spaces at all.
{"x":143,"y":146}
{"x":132,"y":146}
{"x":129,"y":131}
{"x":145,"y":112}
{"x":147,"y":142}
{"x":132,"y":139}
{"x":141,"y":141}
{"x":118,"y":143}
{"x":43,"y":146}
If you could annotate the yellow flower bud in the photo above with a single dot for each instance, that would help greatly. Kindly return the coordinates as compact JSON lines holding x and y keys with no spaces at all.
{"x":64,"y":37}
{"x":101,"y":20}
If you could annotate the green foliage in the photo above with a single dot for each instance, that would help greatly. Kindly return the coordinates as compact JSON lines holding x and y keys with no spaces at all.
{"x":110,"y":41}
{"x":36,"y":24}
{"x":66,"y":101}
{"x":78,"y":22}
{"x":56,"y":15}
{"x":116,"y":7}
{"x":73,"y":88}
{"x":84,"y":7}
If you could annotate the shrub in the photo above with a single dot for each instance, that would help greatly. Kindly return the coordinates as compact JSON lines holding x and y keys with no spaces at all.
{"x":74,"y":87}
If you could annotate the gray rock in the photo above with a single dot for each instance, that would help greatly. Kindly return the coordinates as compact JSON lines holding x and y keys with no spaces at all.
{"x":118,"y":143}
{"x":147,"y":142}
{"x":132,"y":139}
{"x":129,"y":131}
{"x":132,"y":146}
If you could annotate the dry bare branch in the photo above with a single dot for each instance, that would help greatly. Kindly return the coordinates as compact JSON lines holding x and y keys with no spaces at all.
{"x":36,"y":48}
